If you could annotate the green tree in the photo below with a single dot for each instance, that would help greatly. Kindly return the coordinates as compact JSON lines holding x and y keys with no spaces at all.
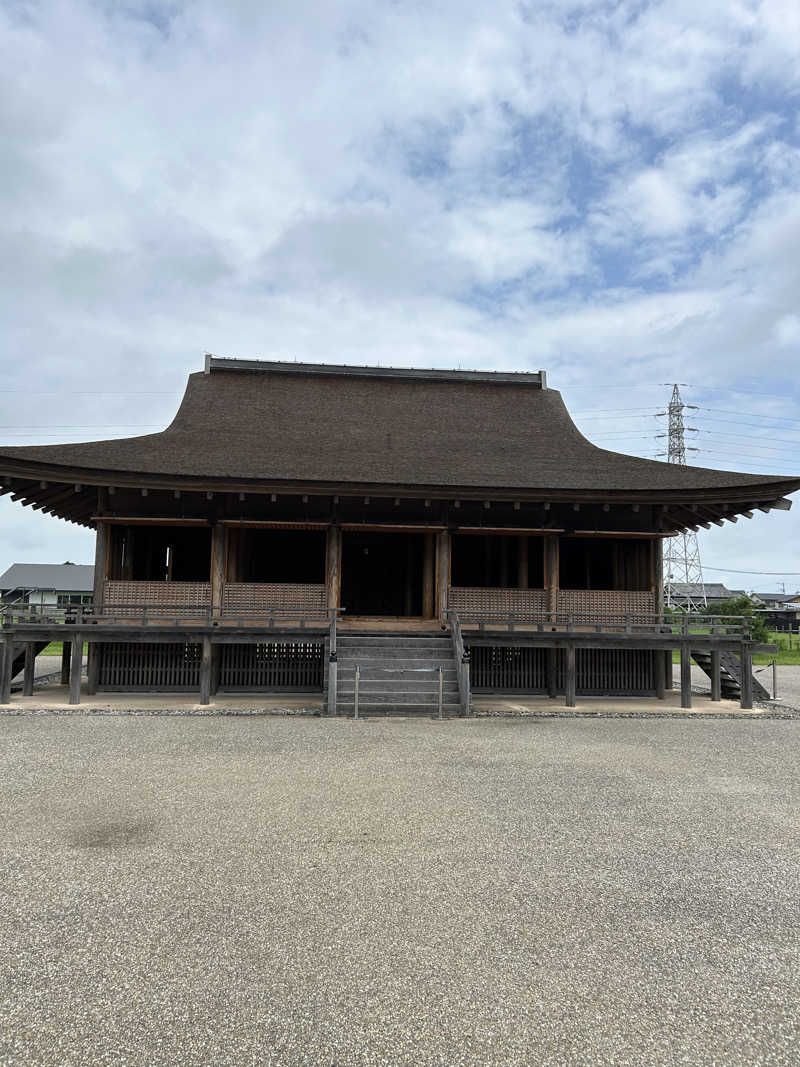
{"x":742,"y":605}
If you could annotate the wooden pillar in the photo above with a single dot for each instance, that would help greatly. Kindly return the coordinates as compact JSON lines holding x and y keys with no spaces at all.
{"x":551,"y":557}
{"x":333,"y":566}
{"x":65,"y":651}
{"x":657,"y":570}
{"x":76,"y":669}
{"x":6,"y":667}
{"x":100,"y":564}
{"x":427,"y":577}
{"x":216,"y":651}
{"x":716,"y":680}
{"x":669,"y":682}
{"x":522,"y":561}
{"x":218,"y":541}
{"x":442,"y":573}
{"x":30,"y":669}
{"x":659,"y":669}
{"x":686,"y":676}
{"x":92,"y":667}
{"x":746,"y":659}
{"x":571,"y":676}
{"x":552,"y":671}
{"x":205,"y":672}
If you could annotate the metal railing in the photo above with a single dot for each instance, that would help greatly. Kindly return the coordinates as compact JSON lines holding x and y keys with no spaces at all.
{"x":398,"y":670}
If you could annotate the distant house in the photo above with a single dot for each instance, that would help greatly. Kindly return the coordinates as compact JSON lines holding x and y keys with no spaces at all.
{"x":775,"y":600}
{"x":715,"y":592}
{"x":781,"y":610}
{"x":47,"y":584}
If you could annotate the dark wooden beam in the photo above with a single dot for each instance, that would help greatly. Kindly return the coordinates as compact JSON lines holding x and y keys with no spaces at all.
{"x":746,"y":678}
{"x":570,"y":675}
{"x":6,"y":667}
{"x":716,"y":678}
{"x":76,"y":669}
{"x":30,"y":669}
{"x":686,"y":676}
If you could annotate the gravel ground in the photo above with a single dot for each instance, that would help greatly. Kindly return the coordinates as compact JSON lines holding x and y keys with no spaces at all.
{"x":329,"y":892}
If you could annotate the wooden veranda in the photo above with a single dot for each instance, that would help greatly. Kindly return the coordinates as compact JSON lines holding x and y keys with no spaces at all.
{"x":299,"y":649}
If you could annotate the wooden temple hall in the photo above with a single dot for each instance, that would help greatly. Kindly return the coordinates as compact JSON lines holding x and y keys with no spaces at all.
{"x":393,"y":540}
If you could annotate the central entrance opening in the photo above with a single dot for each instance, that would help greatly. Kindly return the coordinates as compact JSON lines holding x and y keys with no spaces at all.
{"x":382,"y":573}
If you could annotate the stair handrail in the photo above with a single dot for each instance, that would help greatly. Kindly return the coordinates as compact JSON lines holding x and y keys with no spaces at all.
{"x":438,"y":670}
{"x":333,"y":665}
{"x":462,"y":663}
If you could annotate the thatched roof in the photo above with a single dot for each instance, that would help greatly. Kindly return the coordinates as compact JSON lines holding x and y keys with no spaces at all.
{"x":305,"y":425}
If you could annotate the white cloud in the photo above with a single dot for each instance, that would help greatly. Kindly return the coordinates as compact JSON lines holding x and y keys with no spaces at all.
{"x":606,"y":190}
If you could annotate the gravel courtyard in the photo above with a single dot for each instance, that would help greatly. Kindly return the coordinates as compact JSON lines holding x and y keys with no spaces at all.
{"x":328,"y":892}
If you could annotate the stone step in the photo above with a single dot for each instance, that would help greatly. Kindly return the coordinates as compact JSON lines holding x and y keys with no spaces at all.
{"x":395,"y":642}
{"x":403,"y":682}
{"x":356,"y":655}
{"x":448,"y":710}
{"x":396,"y":697}
{"x":369,"y":692}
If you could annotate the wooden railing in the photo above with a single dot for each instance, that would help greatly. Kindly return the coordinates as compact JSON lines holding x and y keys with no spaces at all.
{"x":616,"y":623}
{"x":170,"y":615}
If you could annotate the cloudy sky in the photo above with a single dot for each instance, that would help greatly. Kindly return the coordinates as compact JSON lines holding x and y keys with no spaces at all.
{"x":607,"y":190}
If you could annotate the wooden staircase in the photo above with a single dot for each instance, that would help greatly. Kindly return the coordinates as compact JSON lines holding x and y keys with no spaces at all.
{"x":399,"y":674}
{"x":18,"y":664}
{"x":730,"y":675}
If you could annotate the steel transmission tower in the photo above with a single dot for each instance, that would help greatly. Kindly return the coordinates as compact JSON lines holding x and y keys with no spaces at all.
{"x":682,"y":565}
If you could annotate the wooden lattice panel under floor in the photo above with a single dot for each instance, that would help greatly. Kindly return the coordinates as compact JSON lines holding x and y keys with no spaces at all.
{"x":267,"y":666}
{"x":517,"y":669}
{"x":271,"y":665}
{"x":173,"y":666}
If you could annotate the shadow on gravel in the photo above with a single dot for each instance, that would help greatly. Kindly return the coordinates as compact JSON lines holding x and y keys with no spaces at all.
{"x":113,"y":833}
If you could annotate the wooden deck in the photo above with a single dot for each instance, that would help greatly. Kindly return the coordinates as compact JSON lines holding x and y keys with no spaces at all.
{"x":208,"y":647}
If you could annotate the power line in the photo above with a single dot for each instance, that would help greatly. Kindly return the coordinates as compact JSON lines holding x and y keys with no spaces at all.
{"x":757,"y":414}
{"x":778,"y":574}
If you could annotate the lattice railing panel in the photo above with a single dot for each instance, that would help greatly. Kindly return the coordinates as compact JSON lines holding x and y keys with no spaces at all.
{"x":606,"y":601}
{"x":250,"y":598}
{"x":130,"y":598}
{"x":468,"y":600}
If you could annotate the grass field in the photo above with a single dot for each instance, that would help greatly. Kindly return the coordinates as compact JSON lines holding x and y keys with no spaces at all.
{"x":55,"y":648}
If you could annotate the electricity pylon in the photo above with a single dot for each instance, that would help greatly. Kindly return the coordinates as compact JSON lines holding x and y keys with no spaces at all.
{"x":682,"y":566}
